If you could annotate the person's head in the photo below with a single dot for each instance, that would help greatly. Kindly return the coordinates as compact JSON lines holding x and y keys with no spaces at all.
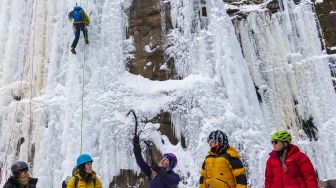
{"x":281,"y":139}
{"x":20,"y":170}
{"x":217,"y":138}
{"x":84,"y":163}
{"x":77,"y":7}
{"x":168,"y":161}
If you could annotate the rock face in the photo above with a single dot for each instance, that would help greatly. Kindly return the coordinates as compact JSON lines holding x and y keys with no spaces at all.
{"x":326,"y":13}
{"x":148,"y":23}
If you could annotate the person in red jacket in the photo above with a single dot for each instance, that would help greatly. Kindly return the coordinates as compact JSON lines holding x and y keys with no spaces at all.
{"x":287,"y":166}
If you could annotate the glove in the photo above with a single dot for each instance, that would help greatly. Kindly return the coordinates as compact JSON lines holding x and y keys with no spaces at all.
{"x":136,"y":140}
{"x":136,"y":145}
{"x":156,"y":167}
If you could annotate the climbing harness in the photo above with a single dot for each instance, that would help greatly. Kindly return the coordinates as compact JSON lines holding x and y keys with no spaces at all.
{"x":83,"y":82}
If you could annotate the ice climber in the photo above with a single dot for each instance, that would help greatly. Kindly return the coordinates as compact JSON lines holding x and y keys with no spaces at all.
{"x":84,"y":176}
{"x":159,"y":176}
{"x":80,"y":21}
{"x":287,"y":167}
{"x":20,"y":177}
{"x":222,"y":168}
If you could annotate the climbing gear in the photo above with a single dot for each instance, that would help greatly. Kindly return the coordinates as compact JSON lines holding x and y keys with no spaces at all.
{"x":282,"y":136}
{"x":33,"y":15}
{"x":77,"y":14}
{"x":83,"y":158}
{"x":136,"y":121}
{"x":219,"y":137}
{"x":18,"y":167}
{"x":172,"y":159}
{"x":65,"y":182}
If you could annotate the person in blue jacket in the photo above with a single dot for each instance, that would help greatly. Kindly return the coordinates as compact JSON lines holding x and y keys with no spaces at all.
{"x":159,"y":175}
{"x":80,"y":22}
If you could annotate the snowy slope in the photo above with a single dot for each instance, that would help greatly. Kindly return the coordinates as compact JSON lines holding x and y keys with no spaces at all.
{"x":282,"y":56}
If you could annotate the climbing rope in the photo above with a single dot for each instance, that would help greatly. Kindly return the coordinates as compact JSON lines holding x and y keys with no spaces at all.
{"x":83,"y":79}
{"x":82,"y":115}
{"x":20,"y":89}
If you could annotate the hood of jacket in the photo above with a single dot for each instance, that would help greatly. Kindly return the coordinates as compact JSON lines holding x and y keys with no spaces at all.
{"x":229,"y":150}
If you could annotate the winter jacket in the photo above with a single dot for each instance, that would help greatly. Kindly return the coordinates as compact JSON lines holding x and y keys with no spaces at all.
{"x":82,"y":183}
{"x":165,"y":179}
{"x":300,"y":171}
{"x":13,"y":182}
{"x":224,"y":170}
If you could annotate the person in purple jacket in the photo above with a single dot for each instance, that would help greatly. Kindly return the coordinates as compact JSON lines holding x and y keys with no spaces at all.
{"x":159,"y":176}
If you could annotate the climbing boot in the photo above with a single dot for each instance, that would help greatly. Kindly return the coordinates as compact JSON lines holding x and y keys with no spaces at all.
{"x":86,"y":41}
{"x":73,"y":50}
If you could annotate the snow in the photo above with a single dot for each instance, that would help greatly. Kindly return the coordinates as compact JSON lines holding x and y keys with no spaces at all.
{"x":280,"y":53}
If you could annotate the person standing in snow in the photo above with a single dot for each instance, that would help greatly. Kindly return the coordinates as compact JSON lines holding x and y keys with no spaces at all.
{"x":20,"y":177}
{"x":80,"y":21}
{"x":159,"y":176}
{"x":222,"y":168}
{"x":84,"y":176}
{"x":287,"y":166}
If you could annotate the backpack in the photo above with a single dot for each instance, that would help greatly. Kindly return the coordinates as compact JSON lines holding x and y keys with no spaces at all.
{"x":77,"y":14}
{"x":66,"y":181}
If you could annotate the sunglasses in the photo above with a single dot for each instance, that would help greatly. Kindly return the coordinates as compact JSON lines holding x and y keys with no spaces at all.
{"x":275,"y":141}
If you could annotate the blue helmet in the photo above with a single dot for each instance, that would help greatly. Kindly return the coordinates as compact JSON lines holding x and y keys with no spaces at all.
{"x":83,"y":158}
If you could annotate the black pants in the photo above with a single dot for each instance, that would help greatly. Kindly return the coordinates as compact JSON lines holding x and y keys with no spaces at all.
{"x":77,"y":29}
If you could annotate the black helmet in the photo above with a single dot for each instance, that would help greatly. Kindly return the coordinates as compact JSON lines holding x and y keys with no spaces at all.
{"x":18,"y":167}
{"x":219,"y":137}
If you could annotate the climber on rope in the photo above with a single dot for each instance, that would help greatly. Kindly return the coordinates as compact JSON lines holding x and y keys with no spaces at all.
{"x":80,"y":21}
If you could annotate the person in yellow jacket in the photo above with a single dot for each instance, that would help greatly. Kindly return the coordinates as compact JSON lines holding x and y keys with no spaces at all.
{"x":84,"y":176}
{"x":80,"y":21}
{"x":222,"y":168}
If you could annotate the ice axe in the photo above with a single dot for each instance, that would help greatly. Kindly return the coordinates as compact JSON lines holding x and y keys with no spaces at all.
{"x":136,"y":121}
